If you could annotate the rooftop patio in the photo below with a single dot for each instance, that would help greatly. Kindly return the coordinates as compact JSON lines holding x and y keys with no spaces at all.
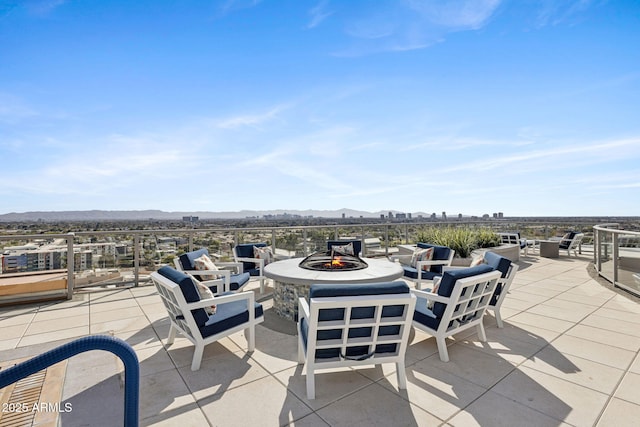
{"x":568,"y":355}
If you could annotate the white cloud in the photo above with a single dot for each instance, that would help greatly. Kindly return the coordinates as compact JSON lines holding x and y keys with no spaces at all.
{"x":456,"y":14}
{"x":318,"y":14}
{"x":250,"y":120}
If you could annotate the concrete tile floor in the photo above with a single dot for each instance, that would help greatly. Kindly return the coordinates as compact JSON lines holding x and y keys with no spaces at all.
{"x":568,"y":356}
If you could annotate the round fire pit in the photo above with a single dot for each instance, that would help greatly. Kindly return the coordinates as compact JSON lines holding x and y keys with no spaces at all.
{"x":291,"y":281}
{"x":330,"y":261}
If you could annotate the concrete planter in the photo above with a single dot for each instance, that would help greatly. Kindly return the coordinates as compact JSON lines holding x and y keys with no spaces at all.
{"x":509,"y":251}
{"x":461,"y":262}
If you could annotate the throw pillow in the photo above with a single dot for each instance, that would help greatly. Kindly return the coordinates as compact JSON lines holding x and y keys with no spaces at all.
{"x":203,"y":262}
{"x":343,"y":249}
{"x":477,"y":261}
{"x":422,"y":255}
{"x":263,"y":253}
{"x":205,"y":293}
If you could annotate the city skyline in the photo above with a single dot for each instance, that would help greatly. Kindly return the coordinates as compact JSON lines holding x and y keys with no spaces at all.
{"x":473,"y":107}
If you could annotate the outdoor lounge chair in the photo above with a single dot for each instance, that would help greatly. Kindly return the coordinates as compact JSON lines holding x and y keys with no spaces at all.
{"x":357,"y":245}
{"x":507,"y":271}
{"x":353,"y":325}
{"x":570,"y":242}
{"x":462,"y":297}
{"x":244,"y":253}
{"x":515,"y":239}
{"x":442,"y":257}
{"x":227,"y":280}
{"x":234,"y":312}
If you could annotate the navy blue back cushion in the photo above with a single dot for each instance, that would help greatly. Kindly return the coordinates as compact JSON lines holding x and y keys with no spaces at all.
{"x":357,"y":245}
{"x":448,"y":281}
{"x":357,"y":289}
{"x":245,"y":250}
{"x":497,"y":262}
{"x":439,"y":253}
{"x":187,"y":260}
{"x":189,"y":290}
{"x":564,"y":244}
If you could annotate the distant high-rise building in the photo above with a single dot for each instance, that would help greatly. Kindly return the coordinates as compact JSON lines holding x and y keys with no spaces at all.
{"x":444,"y":215}
{"x":409,"y":215}
{"x":390,"y":215}
{"x":500,"y":215}
{"x":381,"y":216}
{"x":190,"y":218}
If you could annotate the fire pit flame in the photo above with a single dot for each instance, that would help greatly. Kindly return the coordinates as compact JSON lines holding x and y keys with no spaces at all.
{"x":329,"y":261}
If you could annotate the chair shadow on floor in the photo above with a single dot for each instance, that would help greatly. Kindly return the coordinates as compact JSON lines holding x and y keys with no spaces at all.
{"x":483,"y":376}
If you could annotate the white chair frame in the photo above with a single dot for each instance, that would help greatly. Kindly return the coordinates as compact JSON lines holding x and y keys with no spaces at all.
{"x":182,"y":320}
{"x":310,"y":312}
{"x":222,"y":277}
{"x":574,"y":244}
{"x":261,"y":277}
{"x":406,"y":259}
{"x":478,"y":292}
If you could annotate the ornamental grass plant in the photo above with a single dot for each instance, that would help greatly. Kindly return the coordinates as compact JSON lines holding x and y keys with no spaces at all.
{"x":462,"y":240}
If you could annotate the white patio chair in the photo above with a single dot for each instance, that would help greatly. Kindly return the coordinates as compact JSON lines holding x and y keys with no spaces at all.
{"x":234,"y":312}
{"x":354,"y":325}
{"x":462,"y":297}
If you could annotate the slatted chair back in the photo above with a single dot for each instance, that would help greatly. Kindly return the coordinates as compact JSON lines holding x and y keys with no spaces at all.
{"x":460,"y":302}
{"x":354,"y":325}
{"x":188,"y":315}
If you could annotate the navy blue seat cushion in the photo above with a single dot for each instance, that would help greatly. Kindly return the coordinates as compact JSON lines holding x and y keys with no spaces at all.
{"x":412,"y":272}
{"x":501,"y":264}
{"x":245,"y":250}
{"x":424,"y":315}
{"x":238,"y":280}
{"x":448,"y":281}
{"x":439,"y":253}
{"x":357,"y":245}
{"x":564,"y":244}
{"x":228,"y":315}
{"x":189,"y":290}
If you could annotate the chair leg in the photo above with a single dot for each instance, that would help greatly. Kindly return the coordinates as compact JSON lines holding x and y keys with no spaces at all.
{"x":197,"y":357}
{"x":261,"y":285}
{"x":250,"y":333}
{"x":496,"y":313}
{"x":172,"y":334}
{"x":442,"y":348}
{"x":402,"y":375}
{"x":481,"y":335}
{"x":300,"y":351}
{"x":311,"y":383}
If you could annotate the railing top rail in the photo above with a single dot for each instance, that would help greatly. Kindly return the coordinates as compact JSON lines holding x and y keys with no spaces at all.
{"x":607,"y":228}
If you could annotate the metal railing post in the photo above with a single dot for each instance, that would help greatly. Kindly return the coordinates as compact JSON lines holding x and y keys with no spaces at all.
{"x":615,"y":257}
{"x":304,"y":241}
{"x":136,"y":258}
{"x":70,"y":265}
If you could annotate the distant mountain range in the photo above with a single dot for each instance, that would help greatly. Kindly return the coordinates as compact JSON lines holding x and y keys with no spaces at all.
{"x":101,"y":215}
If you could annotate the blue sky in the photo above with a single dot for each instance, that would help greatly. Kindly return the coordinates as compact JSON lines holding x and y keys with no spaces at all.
{"x":528,"y":107}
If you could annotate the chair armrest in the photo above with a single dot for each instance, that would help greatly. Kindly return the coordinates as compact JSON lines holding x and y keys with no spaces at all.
{"x":235,"y":265}
{"x":402,"y":259}
{"x":226,"y":274}
{"x":430,"y":296}
{"x":221,"y":299}
{"x":443,"y":262}
{"x":303,"y":309}
{"x":255,"y":260}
